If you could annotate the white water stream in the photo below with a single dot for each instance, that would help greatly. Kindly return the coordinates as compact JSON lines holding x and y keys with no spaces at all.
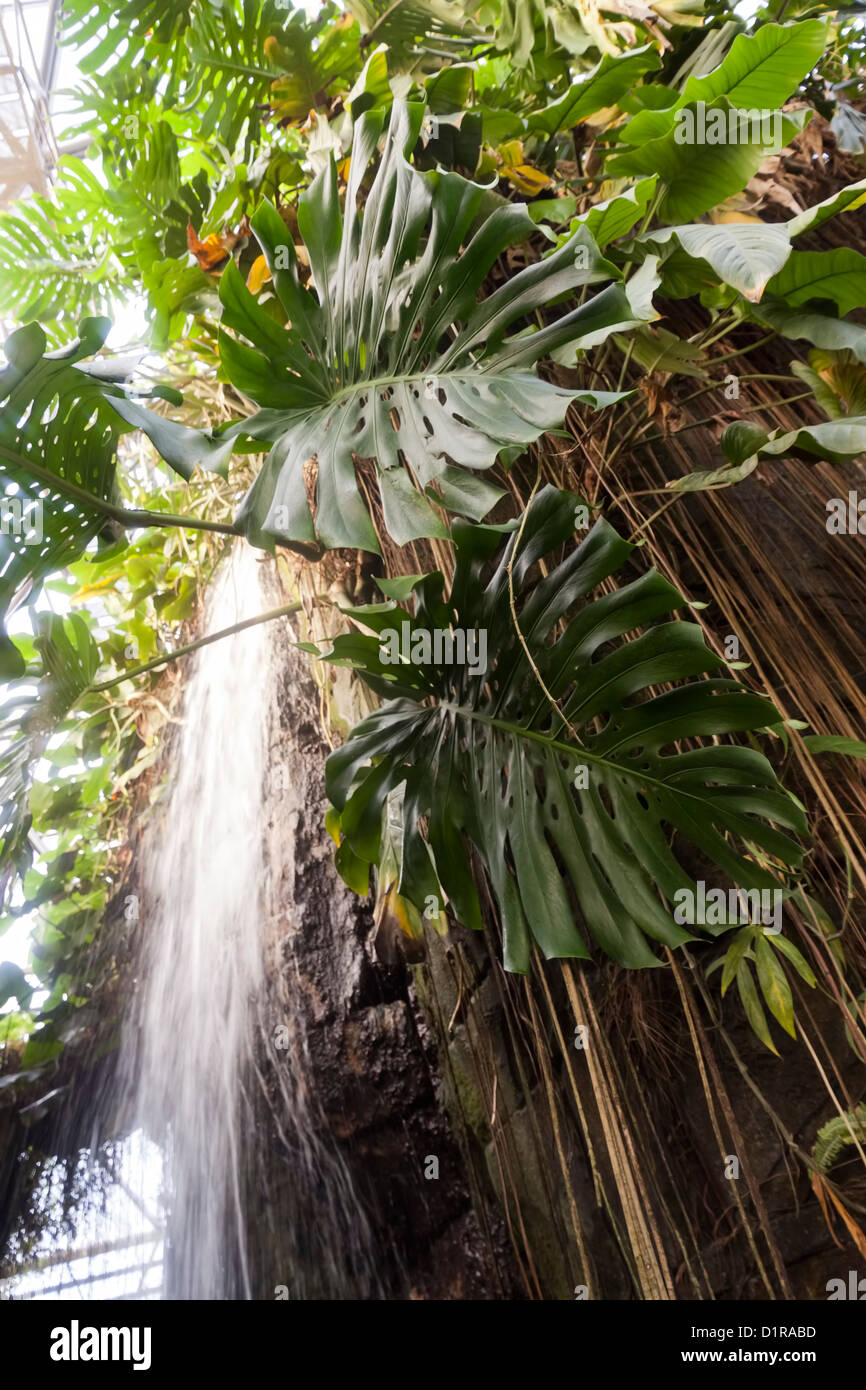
{"x":203,"y":960}
{"x":212,"y":996}
{"x":226,"y":1185}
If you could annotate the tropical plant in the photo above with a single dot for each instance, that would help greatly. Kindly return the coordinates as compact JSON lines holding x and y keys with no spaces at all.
{"x":392,"y":333}
{"x":69,"y":659}
{"x":412,"y":372}
{"x":59,"y":429}
{"x":558,"y":763}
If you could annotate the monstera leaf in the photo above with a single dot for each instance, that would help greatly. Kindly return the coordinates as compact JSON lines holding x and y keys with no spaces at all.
{"x":60,"y":418}
{"x":393,"y":357}
{"x":579,"y":815}
{"x":416,"y":29}
{"x":315,"y":56}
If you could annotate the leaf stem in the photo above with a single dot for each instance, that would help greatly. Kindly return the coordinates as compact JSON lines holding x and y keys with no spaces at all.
{"x":520,"y":637}
{"x":124,"y":515}
{"x":283,"y":612}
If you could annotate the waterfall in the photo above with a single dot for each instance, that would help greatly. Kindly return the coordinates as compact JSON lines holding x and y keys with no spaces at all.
{"x":212,"y":1009}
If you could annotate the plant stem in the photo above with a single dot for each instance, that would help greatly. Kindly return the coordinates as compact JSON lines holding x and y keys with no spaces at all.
{"x":282,"y":612}
{"x":741,"y":352}
{"x":125,"y":516}
{"x":709,"y":419}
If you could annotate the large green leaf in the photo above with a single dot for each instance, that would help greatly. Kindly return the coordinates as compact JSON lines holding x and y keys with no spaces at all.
{"x":697,"y":177}
{"x":838,"y":275}
{"x":762,"y":69}
{"x":742,"y":254}
{"x":821,"y":330}
{"x":62,"y":416}
{"x":392,"y":356}
{"x":603,"y":86}
{"x":581,"y":816}
{"x":759,"y":73}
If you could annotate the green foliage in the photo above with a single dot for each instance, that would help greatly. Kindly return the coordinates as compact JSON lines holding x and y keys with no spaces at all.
{"x":367,"y":367}
{"x":56,"y":417}
{"x":69,"y":660}
{"x":394,"y":382}
{"x":835,"y":1136}
{"x":60,"y":419}
{"x":837,"y":440}
{"x":214,"y":56}
{"x":558,"y":763}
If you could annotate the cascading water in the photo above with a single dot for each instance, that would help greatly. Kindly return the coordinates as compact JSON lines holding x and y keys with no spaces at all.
{"x":209,"y":1008}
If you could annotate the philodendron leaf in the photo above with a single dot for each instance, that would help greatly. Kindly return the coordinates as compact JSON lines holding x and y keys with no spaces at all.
{"x":836,"y":441}
{"x":742,"y":254}
{"x":761,"y":70}
{"x":698,"y":175}
{"x":758,"y":73}
{"x":838,"y":275}
{"x":682,"y":143}
{"x":391,"y":356}
{"x":579,"y":815}
{"x":592,"y":91}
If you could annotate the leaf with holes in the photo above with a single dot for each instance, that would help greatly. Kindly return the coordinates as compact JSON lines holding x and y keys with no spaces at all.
{"x":581,"y":816}
{"x":60,"y":418}
{"x":391,"y":356}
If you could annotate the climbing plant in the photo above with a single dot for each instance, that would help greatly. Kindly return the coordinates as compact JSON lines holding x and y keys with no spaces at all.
{"x":555,"y":759}
{"x":419,"y":237}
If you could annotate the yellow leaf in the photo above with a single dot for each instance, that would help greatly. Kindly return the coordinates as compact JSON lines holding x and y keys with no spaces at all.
{"x":526,"y":179}
{"x":718,"y":216}
{"x":605,"y":117}
{"x":259,"y":273}
{"x":511,"y":152}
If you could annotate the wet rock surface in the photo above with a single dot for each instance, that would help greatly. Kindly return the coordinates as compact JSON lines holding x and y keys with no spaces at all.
{"x":368,"y":1053}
